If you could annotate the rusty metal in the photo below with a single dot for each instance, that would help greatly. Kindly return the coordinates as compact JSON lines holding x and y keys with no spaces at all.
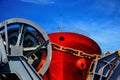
{"x":74,"y":52}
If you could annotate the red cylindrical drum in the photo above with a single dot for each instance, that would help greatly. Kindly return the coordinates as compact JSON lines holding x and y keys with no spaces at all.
{"x":65,"y":65}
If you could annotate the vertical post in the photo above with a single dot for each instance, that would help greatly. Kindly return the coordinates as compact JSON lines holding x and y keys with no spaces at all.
{"x":6,"y":37}
{"x":60,"y":24}
{"x":3,"y":55}
{"x":20,"y":35}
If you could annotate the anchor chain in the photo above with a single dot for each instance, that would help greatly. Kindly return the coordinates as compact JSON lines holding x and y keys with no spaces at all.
{"x":74,"y":52}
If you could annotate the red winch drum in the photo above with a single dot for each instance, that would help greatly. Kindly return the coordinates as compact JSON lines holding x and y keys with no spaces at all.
{"x":72,"y":55}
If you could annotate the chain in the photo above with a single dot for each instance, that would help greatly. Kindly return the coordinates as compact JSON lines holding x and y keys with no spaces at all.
{"x":74,"y":52}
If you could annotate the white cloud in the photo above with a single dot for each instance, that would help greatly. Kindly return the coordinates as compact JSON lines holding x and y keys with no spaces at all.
{"x":107,"y":7}
{"x":39,"y":1}
{"x":104,"y":32}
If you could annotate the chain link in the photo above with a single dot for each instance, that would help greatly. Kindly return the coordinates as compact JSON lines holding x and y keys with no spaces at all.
{"x":74,"y":52}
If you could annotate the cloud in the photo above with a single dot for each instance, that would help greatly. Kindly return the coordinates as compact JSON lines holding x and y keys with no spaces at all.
{"x":39,"y":1}
{"x":108,"y":37}
{"x":104,"y":32}
{"x":109,"y":7}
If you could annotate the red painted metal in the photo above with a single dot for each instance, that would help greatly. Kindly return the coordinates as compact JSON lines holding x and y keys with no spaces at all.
{"x":66,"y":66}
{"x":81,"y":64}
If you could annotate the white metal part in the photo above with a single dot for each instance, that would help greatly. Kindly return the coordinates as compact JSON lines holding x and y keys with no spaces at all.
{"x":3,"y":55}
{"x":31,"y":28}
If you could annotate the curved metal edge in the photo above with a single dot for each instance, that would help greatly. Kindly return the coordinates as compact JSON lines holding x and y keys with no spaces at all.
{"x":25,"y":21}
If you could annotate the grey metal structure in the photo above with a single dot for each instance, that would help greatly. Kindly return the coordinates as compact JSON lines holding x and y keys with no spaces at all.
{"x":17,"y":65}
{"x":20,"y":39}
{"x":106,"y":68}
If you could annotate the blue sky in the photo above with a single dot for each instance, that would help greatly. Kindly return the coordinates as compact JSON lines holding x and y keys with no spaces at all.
{"x":98,"y":19}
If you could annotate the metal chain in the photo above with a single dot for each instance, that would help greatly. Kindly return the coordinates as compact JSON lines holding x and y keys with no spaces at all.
{"x":75,"y":52}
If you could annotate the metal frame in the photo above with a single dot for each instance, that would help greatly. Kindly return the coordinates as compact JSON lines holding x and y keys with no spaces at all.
{"x":106,"y":68}
{"x":22,"y":21}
